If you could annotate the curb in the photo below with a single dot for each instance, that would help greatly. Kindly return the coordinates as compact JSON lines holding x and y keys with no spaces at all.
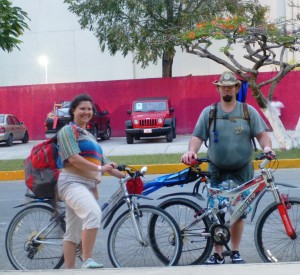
{"x":159,"y":168}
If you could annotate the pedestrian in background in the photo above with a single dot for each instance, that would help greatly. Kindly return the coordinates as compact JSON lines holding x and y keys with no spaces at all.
{"x":277,"y":105}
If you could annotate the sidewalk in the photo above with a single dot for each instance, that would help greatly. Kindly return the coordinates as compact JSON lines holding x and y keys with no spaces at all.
{"x":227,"y":269}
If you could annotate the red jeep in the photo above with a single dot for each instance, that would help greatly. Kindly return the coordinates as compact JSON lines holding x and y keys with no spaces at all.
{"x":151,"y":117}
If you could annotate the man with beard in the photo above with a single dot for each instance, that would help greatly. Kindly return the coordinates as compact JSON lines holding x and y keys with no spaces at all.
{"x":229,"y":149}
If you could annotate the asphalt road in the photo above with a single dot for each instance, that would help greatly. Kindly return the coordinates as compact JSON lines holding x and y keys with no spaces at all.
{"x":12,"y":194}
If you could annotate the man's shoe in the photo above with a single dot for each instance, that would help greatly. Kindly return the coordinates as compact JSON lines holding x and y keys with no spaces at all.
{"x":215,"y":259}
{"x":91,"y":264}
{"x":236,"y":258}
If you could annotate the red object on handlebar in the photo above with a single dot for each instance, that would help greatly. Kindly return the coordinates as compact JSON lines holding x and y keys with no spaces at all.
{"x":194,"y":161}
{"x":135,"y":186}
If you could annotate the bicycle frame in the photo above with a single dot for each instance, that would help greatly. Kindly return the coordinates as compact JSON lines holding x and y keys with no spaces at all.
{"x":178,"y":179}
{"x":264,"y":181}
{"x":109,"y":208}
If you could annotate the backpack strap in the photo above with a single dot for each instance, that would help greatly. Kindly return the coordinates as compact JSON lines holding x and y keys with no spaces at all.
{"x":76,"y":133}
{"x":211,"y":118}
{"x":247,"y":117}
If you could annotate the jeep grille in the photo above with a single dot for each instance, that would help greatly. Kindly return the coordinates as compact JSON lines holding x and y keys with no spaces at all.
{"x":148,"y":122}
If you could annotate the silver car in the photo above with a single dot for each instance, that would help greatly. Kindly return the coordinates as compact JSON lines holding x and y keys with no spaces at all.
{"x":12,"y":129}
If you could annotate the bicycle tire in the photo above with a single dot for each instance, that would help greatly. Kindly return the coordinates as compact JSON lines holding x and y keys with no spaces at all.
{"x":195,"y":249}
{"x":271,"y":240}
{"x":22,"y":252}
{"x":124,"y":249}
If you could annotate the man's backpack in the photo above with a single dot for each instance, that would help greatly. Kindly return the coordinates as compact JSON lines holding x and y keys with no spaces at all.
{"x":213,"y":116}
{"x":41,"y":169}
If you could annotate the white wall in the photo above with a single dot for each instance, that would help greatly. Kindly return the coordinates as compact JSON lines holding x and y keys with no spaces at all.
{"x":74,"y":55}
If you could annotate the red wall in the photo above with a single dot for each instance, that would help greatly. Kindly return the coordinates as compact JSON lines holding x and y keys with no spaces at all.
{"x":189,"y":95}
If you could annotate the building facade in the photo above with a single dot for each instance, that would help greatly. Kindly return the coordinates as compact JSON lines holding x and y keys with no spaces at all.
{"x":73,"y":55}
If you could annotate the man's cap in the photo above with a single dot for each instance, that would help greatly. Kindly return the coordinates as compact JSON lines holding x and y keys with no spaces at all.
{"x":227,"y":79}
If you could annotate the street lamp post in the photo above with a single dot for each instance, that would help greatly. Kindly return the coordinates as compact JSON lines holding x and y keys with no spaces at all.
{"x":43,"y":60}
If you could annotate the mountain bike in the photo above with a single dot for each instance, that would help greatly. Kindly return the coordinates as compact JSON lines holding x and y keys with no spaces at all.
{"x":276,"y":231}
{"x":137,"y":238}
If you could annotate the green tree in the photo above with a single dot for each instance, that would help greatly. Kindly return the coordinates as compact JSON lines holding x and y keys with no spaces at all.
{"x":250,"y":44}
{"x":12,"y":25}
{"x":147,"y":27}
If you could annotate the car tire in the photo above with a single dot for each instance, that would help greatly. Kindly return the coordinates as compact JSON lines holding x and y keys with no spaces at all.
{"x":107,"y":133}
{"x":95,"y":132}
{"x":9,"y":141}
{"x":174,"y":132}
{"x":174,"y":128}
{"x":169,"y":136}
{"x":25,"y":139}
{"x":129,"y":139}
{"x":137,"y":138}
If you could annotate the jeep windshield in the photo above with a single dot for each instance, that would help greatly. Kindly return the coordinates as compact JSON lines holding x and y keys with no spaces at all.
{"x":149,"y":106}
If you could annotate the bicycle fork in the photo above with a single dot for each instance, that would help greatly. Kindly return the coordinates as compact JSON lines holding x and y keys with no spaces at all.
{"x":282,"y":208}
{"x":135,"y":214}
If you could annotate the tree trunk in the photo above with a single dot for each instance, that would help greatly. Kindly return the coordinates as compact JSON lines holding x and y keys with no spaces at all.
{"x":285,"y":141}
{"x":167,"y":63}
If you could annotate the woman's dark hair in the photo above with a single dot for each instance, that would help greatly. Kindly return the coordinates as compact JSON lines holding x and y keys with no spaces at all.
{"x":76,"y":101}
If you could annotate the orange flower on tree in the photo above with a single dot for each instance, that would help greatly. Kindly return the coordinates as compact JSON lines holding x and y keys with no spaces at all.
{"x":192,"y":35}
{"x":200,"y":25}
{"x":241,"y":29}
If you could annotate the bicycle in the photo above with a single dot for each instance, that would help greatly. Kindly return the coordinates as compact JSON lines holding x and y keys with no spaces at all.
{"x":276,"y":229}
{"x":34,"y":236}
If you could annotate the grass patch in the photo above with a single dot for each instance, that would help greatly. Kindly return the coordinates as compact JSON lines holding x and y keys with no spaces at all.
{"x":18,"y":164}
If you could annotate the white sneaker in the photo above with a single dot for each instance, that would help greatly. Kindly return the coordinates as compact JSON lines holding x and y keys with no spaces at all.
{"x":91,"y":264}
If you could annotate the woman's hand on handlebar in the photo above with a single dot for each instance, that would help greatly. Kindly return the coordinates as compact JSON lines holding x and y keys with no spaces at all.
{"x":189,"y":158}
{"x":108,"y":167}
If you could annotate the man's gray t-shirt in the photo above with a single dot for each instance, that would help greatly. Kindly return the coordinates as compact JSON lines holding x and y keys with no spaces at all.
{"x":231,"y":147}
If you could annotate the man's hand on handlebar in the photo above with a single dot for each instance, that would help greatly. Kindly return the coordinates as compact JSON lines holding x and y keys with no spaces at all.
{"x":189,"y":158}
{"x":269,"y":153}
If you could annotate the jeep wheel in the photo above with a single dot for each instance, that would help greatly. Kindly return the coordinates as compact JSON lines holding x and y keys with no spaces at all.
{"x":129,"y":139}
{"x":169,"y":136}
{"x":137,"y":138}
{"x":174,"y":128}
{"x":95,"y":132}
{"x":9,"y":141}
{"x":174,"y":132}
{"x":107,"y":133}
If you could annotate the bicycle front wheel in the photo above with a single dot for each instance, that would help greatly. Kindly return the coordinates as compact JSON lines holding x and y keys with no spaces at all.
{"x":196,"y":248}
{"x":126,"y":250}
{"x":23,"y":251}
{"x":271,"y":240}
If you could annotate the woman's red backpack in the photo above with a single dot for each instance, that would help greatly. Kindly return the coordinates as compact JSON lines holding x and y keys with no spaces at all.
{"x":41,"y":169}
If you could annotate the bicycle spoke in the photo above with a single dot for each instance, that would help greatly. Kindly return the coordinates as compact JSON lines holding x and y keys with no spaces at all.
{"x":272,"y":241}
{"x":30,"y":223}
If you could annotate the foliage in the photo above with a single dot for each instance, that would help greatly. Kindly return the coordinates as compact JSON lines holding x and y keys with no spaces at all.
{"x":12,"y":25}
{"x":264,"y":44}
{"x":148,"y":28}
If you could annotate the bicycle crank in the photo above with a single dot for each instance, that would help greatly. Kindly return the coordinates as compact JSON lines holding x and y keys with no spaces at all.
{"x":220,"y":234}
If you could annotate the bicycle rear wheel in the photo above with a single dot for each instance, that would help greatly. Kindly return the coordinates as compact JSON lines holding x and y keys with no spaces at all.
{"x":22,"y":251}
{"x":271,"y":240}
{"x":196,"y":249}
{"x":125,"y":250}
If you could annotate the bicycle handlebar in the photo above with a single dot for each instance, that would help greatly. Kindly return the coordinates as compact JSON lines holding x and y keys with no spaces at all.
{"x":132,"y":172}
{"x":198,"y":161}
{"x":266,"y":158}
